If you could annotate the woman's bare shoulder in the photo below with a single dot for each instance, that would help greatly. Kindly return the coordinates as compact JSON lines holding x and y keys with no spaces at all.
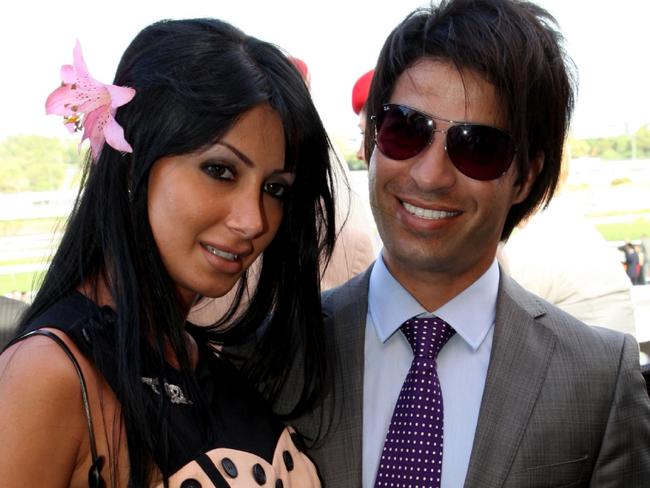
{"x":38,"y":363}
{"x":41,"y":414}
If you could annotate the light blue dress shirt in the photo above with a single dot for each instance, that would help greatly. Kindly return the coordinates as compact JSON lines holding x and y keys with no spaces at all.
{"x":462,"y":366}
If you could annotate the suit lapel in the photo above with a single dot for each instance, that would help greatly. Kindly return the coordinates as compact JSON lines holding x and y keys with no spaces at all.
{"x":520,"y":356}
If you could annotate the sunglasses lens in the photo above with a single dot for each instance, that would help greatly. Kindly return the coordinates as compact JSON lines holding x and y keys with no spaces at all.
{"x":402,"y":132}
{"x":480,"y":152}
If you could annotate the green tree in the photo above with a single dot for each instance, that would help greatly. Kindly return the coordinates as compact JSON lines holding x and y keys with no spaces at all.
{"x":623,"y":147}
{"x":642,"y":137}
{"x":45,"y":176}
{"x":615,"y":147}
{"x":12,"y":176}
{"x":35,"y":163}
{"x":579,"y":148}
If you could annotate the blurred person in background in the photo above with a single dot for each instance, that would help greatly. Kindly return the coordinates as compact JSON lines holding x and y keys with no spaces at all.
{"x":10,"y":313}
{"x":359,"y":96}
{"x":645,"y":250}
{"x":632,"y":263}
{"x":560,"y":256}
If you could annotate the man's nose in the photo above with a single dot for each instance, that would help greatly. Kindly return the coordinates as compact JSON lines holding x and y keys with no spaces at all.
{"x":432,"y":168}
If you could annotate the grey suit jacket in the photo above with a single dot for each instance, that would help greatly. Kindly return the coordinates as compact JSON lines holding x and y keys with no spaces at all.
{"x":564,"y":403}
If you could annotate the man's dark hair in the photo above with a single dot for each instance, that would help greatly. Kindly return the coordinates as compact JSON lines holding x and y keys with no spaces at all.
{"x":517,"y":47}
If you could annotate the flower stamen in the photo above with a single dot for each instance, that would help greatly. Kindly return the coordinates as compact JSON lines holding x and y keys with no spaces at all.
{"x":73,"y":119}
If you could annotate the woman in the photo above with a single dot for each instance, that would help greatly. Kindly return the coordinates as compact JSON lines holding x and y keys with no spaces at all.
{"x":222,"y":158}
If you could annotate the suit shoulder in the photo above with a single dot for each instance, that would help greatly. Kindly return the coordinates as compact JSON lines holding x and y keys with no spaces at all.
{"x":571,"y":334}
{"x":572,"y":330}
{"x":588,"y":338}
{"x":352,"y":292}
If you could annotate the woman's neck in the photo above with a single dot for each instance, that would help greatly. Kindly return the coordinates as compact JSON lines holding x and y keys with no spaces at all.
{"x":97,"y":290}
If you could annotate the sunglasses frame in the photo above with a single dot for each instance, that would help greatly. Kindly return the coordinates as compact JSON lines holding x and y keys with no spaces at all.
{"x":431,"y":119}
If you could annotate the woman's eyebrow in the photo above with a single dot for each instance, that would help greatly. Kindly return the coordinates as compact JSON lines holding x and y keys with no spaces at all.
{"x":247,"y":161}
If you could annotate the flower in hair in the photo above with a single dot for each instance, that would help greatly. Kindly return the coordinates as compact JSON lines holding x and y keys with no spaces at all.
{"x":88,"y":104}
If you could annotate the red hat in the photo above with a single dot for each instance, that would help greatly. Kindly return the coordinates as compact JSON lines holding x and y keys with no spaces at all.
{"x":360,"y":91}
{"x":301,"y":66}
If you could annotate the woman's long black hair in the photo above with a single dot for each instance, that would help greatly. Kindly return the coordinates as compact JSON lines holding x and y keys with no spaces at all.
{"x":193,"y":80}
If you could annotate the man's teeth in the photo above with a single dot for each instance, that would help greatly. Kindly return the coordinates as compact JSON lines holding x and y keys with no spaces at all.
{"x":221,"y":254}
{"x":426,"y":213}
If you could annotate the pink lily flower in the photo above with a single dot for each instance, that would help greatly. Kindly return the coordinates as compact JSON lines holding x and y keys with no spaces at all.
{"x":89,"y":104}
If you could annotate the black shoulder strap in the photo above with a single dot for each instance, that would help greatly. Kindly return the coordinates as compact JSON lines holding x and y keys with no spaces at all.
{"x":94,"y":476}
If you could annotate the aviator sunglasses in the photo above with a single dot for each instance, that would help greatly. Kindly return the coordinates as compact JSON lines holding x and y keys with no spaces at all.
{"x":480,"y":152}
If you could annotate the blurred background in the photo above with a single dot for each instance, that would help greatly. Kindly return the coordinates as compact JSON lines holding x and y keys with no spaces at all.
{"x":609,"y":147}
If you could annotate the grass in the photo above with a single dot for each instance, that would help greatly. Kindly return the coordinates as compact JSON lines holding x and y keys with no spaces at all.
{"x":19,"y":281}
{"x":624,"y":231}
{"x":31,"y":260}
{"x":29,"y":226}
{"x":28,"y":280}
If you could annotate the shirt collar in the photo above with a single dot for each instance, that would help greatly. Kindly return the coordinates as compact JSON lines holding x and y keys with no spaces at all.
{"x":471,"y":313}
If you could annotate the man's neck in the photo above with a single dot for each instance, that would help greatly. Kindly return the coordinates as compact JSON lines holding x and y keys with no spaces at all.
{"x":433,"y":288}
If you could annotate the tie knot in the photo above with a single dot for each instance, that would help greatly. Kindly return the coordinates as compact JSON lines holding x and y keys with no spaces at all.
{"x":427,"y":336}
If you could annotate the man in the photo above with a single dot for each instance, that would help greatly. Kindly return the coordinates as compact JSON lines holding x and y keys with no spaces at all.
{"x":632,"y":267}
{"x":645,"y":251}
{"x":469,"y":108}
{"x":359,"y":96}
{"x":559,"y":255}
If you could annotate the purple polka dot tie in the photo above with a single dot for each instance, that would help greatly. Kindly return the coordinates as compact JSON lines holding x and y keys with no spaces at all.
{"x":412,"y":455}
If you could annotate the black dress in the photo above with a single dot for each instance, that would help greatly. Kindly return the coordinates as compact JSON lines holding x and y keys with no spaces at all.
{"x":238,"y":443}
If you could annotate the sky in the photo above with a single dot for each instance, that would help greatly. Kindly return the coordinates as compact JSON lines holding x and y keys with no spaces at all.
{"x":339,"y":40}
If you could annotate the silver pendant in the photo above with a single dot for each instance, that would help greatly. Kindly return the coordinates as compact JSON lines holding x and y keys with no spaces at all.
{"x":173,"y":392}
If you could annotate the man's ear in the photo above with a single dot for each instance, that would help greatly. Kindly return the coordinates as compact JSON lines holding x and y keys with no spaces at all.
{"x":527,"y":180}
